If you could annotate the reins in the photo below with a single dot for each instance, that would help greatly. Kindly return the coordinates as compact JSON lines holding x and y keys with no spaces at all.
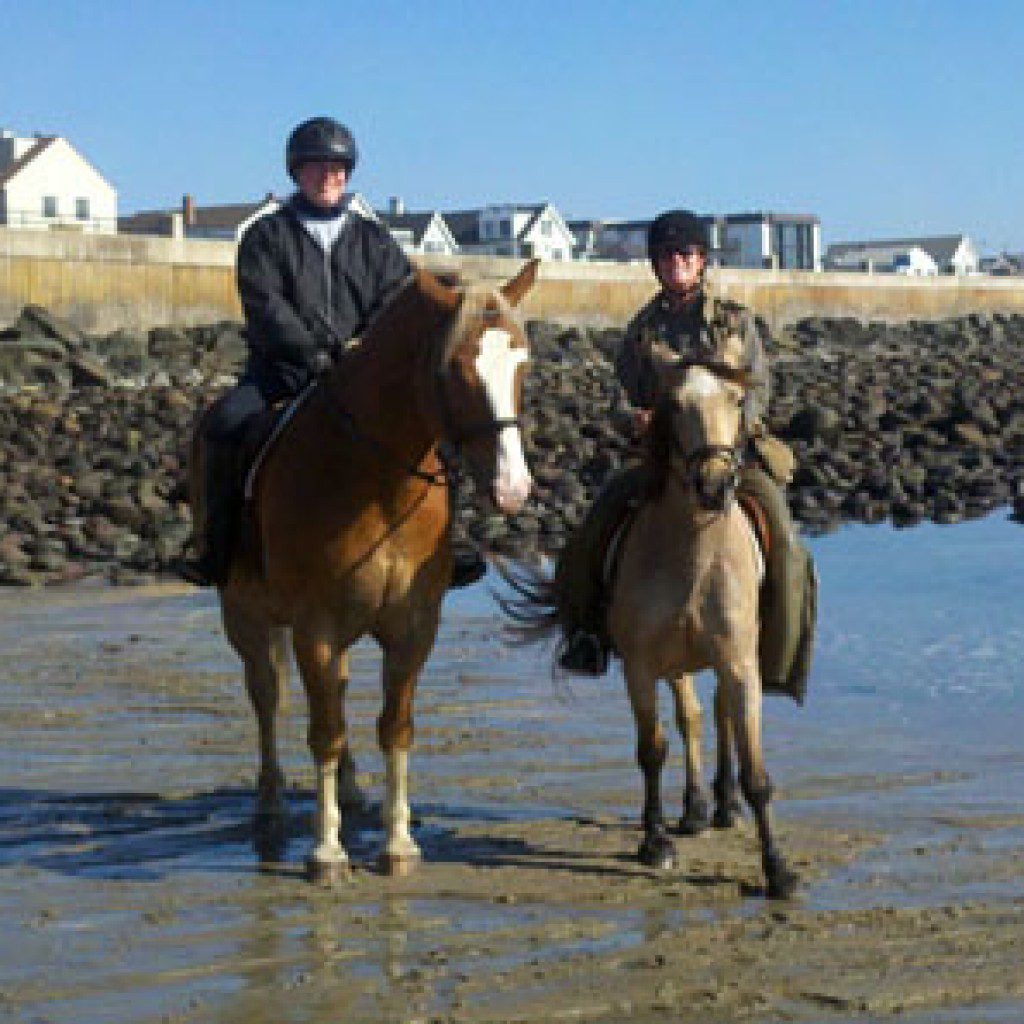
{"x":441,"y":478}
{"x":689,"y":473}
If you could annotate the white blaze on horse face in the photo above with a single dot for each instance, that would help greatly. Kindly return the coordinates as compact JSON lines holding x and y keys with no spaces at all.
{"x":702,"y":383}
{"x":496,"y":366}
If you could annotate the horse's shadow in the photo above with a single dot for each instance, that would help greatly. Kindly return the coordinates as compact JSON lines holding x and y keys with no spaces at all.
{"x":134,"y":836}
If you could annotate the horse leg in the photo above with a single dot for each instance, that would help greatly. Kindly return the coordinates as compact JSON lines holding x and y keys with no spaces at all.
{"x":402,"y":667}
{"x":265,"y":659}
{"x":322,"y":667}
{"x":745,"y":703}
{"x":394,"y":735}
{"x":656,"y":850}
{"x":689,"y":721}
{"x":727,"y":804}
{"x":350,"y":793}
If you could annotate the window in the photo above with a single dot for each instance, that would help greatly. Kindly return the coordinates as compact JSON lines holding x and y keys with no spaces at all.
{"x":81,"y":209}
{"x":505,"y":227}
{"x":545,"y":228}
{"x":49,"y":206}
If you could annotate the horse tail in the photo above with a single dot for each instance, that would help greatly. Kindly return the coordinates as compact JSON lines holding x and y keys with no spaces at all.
{"x":533,"y":608}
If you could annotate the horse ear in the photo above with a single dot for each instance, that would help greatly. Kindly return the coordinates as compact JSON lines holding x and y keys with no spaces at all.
{"x":437,"y":291}
{"x":515,"y":289}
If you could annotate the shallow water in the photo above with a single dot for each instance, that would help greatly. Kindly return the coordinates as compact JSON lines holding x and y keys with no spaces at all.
{"x":126,"y":777}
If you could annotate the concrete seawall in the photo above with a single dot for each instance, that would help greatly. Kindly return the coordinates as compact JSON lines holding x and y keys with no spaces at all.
{"x":101,"y":283}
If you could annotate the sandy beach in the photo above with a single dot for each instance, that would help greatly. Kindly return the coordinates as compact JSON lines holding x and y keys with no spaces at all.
{"x":132,"y":891}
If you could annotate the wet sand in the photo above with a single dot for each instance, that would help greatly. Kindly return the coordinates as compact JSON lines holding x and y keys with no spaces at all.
{"x":131,"y":891}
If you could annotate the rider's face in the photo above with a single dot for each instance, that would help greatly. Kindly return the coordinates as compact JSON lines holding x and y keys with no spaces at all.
{"x":680,"y":270}
{"x":322,"y":182}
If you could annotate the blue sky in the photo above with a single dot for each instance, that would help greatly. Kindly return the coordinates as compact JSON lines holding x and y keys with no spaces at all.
{"x":883,"y":118}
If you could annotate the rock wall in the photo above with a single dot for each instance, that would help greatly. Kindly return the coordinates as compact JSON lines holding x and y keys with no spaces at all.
{"x":889,"y":423}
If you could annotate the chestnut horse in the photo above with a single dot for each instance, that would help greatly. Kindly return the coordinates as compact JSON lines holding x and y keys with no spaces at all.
{"x":685,"y":598}
{"x":350,"y":533}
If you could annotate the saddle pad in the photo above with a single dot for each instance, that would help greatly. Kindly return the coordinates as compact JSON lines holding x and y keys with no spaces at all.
{"x":280,"y":418}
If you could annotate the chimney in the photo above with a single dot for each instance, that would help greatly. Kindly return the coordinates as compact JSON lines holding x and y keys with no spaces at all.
{"x":395,"y":206}
{"x":188,"y":210}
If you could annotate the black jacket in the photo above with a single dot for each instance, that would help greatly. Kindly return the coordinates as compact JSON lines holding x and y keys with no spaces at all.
{"x":301,"y":304}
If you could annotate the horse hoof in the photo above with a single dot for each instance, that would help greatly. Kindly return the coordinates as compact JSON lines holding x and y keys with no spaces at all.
{"x":398,"y":865}
{"x":690,"y":826}
{"x":782,"y":882}
{"x":725,"y":815}
{"x":328,"y":873}
{"x":270,"y":843}
{"x":658,"y":854}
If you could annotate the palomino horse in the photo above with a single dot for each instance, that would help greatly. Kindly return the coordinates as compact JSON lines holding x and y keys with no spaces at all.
{"x":685,"y":598}
{"x":350,"y":531}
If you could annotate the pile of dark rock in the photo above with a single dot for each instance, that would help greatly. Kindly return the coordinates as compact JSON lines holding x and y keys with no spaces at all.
{"x":889,"y":423}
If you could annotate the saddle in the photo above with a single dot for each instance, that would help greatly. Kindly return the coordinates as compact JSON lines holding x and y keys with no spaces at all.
{"x":261,"y":435}
{"x":231,"y":471}
{"x":619,"y":530}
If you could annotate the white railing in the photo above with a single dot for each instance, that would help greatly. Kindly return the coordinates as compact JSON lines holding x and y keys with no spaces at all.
{"x":36,"y":220}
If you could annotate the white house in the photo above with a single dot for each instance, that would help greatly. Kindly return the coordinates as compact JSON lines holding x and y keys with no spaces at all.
{"x":418,"y":232}
{"x":513,"y":229}
{"x":45,"y":183}
{"x":225,"y":221}
{"x":939,"y":254}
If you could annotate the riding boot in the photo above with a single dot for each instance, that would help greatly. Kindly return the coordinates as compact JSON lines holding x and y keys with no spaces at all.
{"x":213,"y":530}
{"x":468,"y":564}
{"x":788,"y":594}
{"x":580,"y":575}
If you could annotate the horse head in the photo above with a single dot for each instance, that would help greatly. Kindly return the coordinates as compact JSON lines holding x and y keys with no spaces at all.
{"x":697,"y":432}
{"x":480,"y":386}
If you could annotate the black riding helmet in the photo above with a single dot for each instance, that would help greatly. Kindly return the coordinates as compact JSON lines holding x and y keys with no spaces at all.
{"x":320,"y":138}
{"x":675,"y":230}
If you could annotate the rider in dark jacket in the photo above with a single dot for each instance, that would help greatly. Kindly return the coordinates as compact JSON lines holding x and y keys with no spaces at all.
{"x":311,"y":276}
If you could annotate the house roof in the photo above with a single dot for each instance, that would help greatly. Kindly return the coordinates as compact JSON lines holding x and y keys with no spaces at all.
{"x":627,"y":225}
{"x":39,"y":146}
{"x":415,"y":223}
{"x":761,"y":217}
{"x":464,"y":225}
{"x":941,"y":248}
{"x":225,"y":216}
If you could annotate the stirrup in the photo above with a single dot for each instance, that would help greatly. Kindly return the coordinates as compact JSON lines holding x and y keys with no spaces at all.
{"x":584,"y":653}
{"x":468,"y":566}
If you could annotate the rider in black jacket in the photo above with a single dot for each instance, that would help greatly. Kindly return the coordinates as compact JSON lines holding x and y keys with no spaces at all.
{"x":311,"y":276}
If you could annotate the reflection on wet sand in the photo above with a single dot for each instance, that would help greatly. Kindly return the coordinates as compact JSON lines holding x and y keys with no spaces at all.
{"x":129,"y":876}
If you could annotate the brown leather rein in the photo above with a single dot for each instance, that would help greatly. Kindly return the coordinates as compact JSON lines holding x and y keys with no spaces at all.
{"x":732,"y":454}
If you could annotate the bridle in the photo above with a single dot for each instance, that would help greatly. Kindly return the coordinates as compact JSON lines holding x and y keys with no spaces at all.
{"x":455,"y":433}
{"x":692,"y":460}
